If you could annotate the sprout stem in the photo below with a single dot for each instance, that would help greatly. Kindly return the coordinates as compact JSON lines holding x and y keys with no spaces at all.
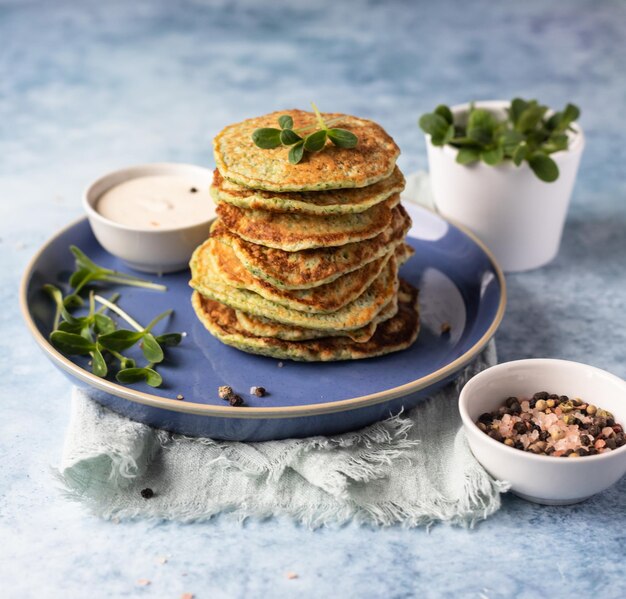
{"x":111,"y":306}
{"x":133,"y":282}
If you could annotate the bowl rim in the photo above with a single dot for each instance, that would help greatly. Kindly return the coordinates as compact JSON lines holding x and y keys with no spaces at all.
{"x":156,"y":401}
{"x":576,"y":146}
{"x":89,"y":199}
{"x":473,"y":429}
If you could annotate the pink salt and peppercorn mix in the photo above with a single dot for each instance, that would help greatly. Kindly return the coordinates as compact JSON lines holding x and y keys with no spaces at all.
{"x":553,"y":425}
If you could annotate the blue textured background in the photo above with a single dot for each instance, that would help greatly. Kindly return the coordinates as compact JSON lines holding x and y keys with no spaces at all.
{"x":90,"y":86}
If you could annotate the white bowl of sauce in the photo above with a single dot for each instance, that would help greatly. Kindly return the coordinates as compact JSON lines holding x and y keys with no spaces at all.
{"x":152,"y":216}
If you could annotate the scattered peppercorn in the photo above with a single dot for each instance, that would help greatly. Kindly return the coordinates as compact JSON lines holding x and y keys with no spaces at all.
{"x":235,"y":400}
{"x":227,"y":394}
{"x":258,"y":391}
{"x":180,"y":396}
{"x":224,"y":391}
{"x":445,"y":328}
{"x":147,"y":493}
{"x":193,"y":190}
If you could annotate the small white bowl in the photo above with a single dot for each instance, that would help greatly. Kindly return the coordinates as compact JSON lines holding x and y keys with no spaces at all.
{"x":537,"y":478}
{"x":156,"y":251}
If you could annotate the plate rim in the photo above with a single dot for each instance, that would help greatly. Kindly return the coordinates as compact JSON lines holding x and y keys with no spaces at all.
{"x":198,"y":409}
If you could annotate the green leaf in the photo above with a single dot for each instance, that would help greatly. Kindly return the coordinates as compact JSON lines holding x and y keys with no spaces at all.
{"x":169,"y":339}
{"x":468,"y":155}
{"x":266,"y":138}
{"x":517,"y":107}
{"x":520,"y":154}
{"x":136,"y":375}
{"x":531,"y":117}
{"x":120,"y":340}
{"x":570,"y":114}
{"x":544,"y":167}
{"x":462,"y":141}
{"x":73,"y":300}
{"x":556,"y":143}
{"x":104,"y":325}
{"x":449,"y":135}
{"x":510,"y":140}
{"x":288,"y":137}
{"x":86,"y":330}
{"x":153,"y":378}
{"x":71,"y":327}
{"x":480,"y":135}
{"x":98,"y":365}
{"x":315,"y":141}
{"x":492,"y":157}
{"x":435,"y":126}
{"x":343,"y":138}
{"x":481,"y":119}
{"x":151,"y":349}
{"x":80,"y":278}
{"x":82,"y":260}
{"x":285,"y":122}
{"x":71,"y":343}
{"x":296,"y":152}
{"x":554,"y":121}
{"x":443,"y":111}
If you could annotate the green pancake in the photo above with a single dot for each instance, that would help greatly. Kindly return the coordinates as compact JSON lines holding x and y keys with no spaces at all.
{"x":322,"y":203}
{"x":322,"y":299}
{"x":293,"y":232}
{"x":258,"y":326}
{"x":239,"y":160}
{"x":353,"y":316}
{"x":314,"y":267}
{"x":395,"y":334}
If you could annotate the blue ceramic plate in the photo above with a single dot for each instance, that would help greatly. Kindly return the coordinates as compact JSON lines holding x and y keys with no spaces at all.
{"x":459,"y":284}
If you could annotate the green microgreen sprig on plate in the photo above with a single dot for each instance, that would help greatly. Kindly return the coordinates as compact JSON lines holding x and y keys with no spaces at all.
{"x":87,"y":272}
{"x":527,"y":134}
{"x":269,"y":138}
{"x":97,"y":334}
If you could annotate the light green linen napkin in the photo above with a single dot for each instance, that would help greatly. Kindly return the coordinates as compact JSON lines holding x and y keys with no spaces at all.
{"x":413,"y":469}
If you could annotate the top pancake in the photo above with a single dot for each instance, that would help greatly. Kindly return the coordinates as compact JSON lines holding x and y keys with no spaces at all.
{"x":239,"y":160}
{"x":322,"y":203}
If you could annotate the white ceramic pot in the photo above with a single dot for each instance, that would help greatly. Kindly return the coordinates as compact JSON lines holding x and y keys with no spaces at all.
{"x":538,"y":478}
{"x":517,"y":215}
{"x":160,"y":250}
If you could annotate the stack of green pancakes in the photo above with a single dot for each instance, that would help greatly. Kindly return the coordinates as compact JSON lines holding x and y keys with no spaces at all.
{"x":302,"y":261}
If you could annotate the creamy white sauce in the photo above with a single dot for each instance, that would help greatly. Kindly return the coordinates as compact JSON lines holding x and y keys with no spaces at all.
{"x":157,"y":202}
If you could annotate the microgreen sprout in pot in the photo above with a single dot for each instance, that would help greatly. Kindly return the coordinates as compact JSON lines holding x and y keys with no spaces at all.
{"x":528,"y":133}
